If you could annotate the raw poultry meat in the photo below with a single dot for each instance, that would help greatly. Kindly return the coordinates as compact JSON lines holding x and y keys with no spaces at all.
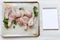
{"x":17,"y":12}
{"x":27,"y":12}
{"x":11,"y":18}
{"x":22,"y":18}
{"x":20,"y":21}
{"x":30,"y":22}
{"x":7,"y":11}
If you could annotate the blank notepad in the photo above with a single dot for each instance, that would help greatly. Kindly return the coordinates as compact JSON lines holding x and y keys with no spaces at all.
{"x":50,"y":18}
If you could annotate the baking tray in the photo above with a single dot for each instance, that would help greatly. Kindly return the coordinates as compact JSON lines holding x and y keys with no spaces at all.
{"x":17,"y":32}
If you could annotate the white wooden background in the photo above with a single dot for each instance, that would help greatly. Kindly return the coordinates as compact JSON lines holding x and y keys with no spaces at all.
{"x":44,"y":34}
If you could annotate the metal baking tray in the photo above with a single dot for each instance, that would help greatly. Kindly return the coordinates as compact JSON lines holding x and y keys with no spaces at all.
{"x":18,"y":31}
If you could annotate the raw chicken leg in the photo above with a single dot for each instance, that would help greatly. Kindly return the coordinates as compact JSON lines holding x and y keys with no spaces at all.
{"x":21,"y":21}
{"x":7,"y":11}
{"x":11,"y":18}
{"x":30,"y":23}
{"x":26,"y":27}
{"x":27,"y":13}
{"x":17,"y":12}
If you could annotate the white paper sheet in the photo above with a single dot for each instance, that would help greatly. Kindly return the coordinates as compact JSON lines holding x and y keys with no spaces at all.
{"x":50,"y":18}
